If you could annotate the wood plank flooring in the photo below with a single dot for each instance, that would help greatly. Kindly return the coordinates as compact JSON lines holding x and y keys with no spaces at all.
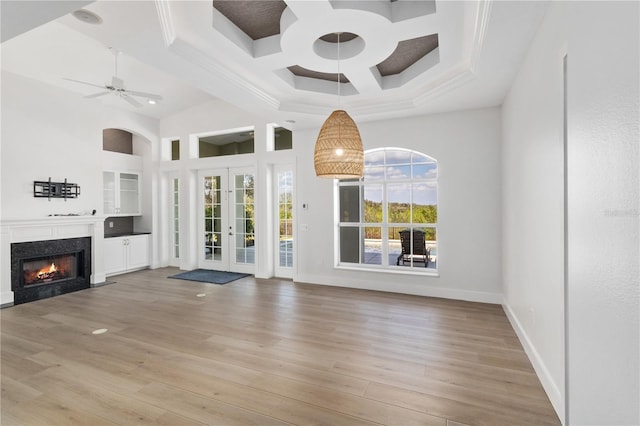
{"x":262,"y":352}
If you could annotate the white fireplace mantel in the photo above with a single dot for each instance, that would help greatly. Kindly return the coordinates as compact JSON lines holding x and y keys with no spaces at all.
{"x":18,"y":230}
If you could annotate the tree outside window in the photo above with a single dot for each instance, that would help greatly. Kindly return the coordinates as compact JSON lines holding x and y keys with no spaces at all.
{"x":388,"y":218}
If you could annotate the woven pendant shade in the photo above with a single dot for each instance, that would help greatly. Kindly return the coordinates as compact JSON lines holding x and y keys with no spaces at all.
{"x":338,"y":153}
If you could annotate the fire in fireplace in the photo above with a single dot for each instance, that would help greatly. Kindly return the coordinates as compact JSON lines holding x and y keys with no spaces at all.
{"x":48,"y":269}
{"x":41,"y":269}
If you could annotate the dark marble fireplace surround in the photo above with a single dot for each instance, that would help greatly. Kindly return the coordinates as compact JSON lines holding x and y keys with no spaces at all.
{"x":44,"y":252}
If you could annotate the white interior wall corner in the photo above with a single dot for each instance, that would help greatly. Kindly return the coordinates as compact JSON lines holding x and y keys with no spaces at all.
{"x":533,"y":205}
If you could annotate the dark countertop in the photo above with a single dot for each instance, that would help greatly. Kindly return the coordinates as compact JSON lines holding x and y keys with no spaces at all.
{"x":126,"y":234}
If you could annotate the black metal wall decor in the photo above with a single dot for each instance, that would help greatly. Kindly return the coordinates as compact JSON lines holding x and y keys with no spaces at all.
{"x":49,"y":190}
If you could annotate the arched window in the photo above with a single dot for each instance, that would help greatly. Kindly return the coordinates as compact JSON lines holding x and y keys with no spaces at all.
{"x":388,"y":218}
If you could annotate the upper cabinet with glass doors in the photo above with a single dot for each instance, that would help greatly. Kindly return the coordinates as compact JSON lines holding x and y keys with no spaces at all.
{"x":121,"y":193}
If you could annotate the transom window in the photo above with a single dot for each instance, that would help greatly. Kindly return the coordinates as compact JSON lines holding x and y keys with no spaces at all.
{"x":388,"y":218}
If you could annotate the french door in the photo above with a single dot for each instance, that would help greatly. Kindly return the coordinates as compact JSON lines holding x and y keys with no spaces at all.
{"x":226,"y":222}
{"x":174,"y":220}
{"x":284,"y":241}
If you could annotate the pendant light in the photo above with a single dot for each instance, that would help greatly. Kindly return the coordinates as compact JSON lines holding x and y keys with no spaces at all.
{"x":338,"y":152}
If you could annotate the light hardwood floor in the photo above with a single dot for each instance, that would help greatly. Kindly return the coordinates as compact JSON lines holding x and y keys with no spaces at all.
{"x":262,"y":352}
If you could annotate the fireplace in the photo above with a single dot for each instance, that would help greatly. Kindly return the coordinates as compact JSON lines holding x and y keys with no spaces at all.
{"x":41,"y":269}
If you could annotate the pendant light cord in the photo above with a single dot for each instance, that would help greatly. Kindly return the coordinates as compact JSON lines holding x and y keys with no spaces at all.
{"x":339,"y":94}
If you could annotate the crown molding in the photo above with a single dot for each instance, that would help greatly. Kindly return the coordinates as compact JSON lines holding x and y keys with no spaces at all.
{"x":298,"y":107}
{"x":467,"y":72}
{"x":211,"y":66}
{"x":197,"y":57}
{"x":382,"y":108}
{"x":163,"y":7}
{"x":483,"y":14}
{"x":456,"y":79}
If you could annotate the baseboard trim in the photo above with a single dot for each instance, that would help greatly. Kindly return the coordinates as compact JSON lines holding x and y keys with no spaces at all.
{"x":102,"y":284}
{"x":6,"y":299}
{"x":548,"y":384}
{"x":98,"y":278}
{"x":422,"y":290}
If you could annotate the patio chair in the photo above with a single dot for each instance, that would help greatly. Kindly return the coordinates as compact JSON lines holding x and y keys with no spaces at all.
{"x":420,"y":251}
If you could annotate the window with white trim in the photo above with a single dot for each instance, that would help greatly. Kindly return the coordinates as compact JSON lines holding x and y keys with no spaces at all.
{"x":388,"y":218}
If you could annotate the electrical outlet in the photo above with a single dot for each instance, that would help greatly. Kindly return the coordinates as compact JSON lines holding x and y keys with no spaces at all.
{"x":110,"y":224}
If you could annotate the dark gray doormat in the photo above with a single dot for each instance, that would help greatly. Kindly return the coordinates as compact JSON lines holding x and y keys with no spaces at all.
{"x":209,"y":276}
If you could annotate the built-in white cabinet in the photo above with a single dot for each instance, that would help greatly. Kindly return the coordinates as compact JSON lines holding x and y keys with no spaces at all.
{"x":128,"y":253}
{"x":121,"y":193}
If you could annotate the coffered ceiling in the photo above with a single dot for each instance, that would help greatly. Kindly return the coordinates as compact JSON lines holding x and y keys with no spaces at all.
{"x":282,"y":57}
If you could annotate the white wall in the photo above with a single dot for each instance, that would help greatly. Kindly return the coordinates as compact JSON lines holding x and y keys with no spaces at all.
{"x":597,"y":382}
{"x":50,"y":132}
{"x":604,"y":213}
{"x":533,"y":204}
{"x":467,"y":147}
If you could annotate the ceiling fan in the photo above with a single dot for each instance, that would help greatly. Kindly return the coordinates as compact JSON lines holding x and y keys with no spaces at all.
{"x":117,"y":87}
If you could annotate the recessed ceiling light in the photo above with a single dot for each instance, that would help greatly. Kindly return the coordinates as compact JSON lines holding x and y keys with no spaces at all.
{"x":87,"y":17}
{"x":100,"y":331}
{"x":200,"y":295}
{"x":151,"y":102}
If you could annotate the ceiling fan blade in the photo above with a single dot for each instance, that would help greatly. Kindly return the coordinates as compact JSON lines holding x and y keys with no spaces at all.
{"x":95,"y":95}
{"x":84,"y":82}
{"x":130,"y":100}
{"x":144,"y":95}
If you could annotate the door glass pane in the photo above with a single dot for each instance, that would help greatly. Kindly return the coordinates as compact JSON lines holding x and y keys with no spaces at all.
{"x":240,"y":210}
{"x":212,"y":218}
{"x":217,"y":246}
{"x":244,"y":212}
{"x":285,"y":211}
{"x":176,"y":221}
{"x":208,"y":245}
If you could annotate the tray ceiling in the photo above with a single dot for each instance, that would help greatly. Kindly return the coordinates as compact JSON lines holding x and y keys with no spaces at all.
{"x":280,"y":57}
